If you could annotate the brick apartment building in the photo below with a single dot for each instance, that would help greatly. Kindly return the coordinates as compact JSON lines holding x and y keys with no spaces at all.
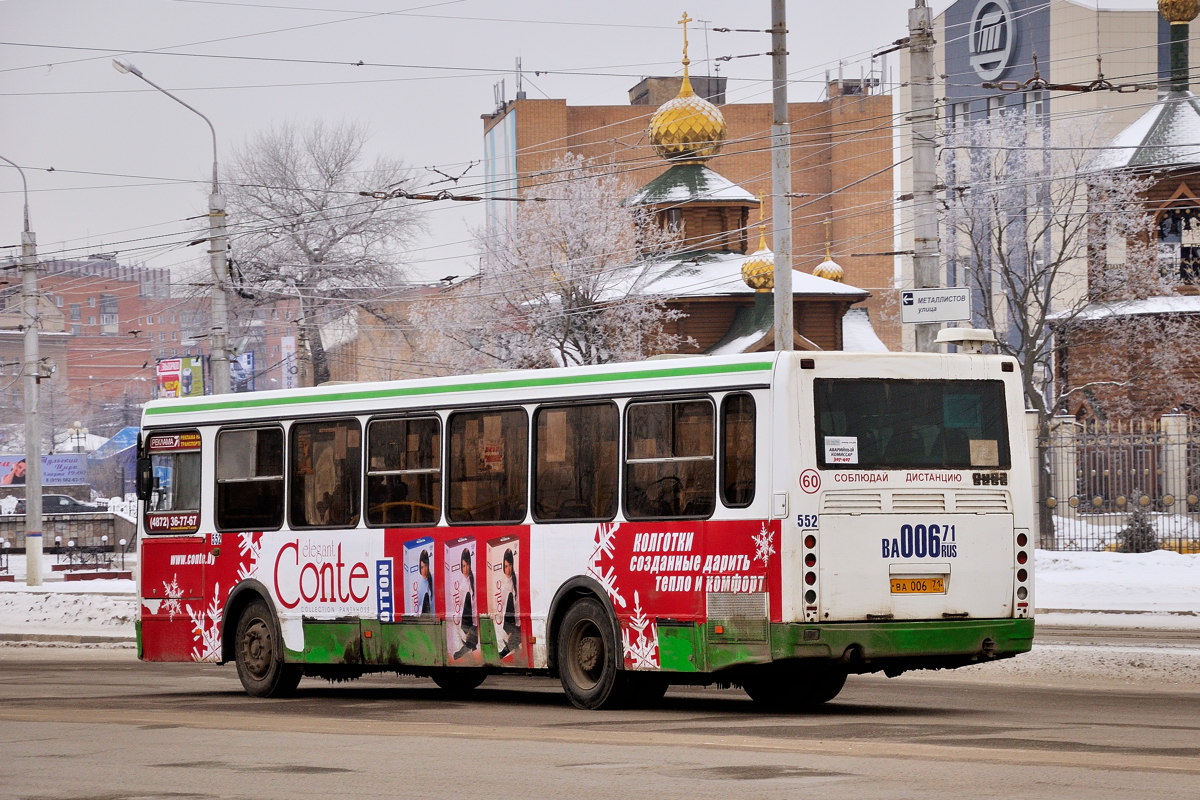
{"x":841,"y":167}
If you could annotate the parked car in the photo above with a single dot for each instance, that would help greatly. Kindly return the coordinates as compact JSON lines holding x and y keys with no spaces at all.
{"x":61,"y":504}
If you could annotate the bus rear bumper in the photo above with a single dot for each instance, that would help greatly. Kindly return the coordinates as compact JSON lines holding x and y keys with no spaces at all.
{"x":895,"y":647}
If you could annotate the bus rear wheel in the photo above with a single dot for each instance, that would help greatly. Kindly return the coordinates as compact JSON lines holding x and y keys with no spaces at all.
{"x":259,"y":655}
{"x":775,"y":687}
{"x":587,"y":653}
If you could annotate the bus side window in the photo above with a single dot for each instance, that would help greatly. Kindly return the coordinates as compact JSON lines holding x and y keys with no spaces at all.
{"x":575,"y":462}
{"x":488,"y":466}
{"x":669,"y":460}
{"x":404,"y":471}
{"x":737,"y":450}
{"x":250,"y":479}
{"x":325,"y":474}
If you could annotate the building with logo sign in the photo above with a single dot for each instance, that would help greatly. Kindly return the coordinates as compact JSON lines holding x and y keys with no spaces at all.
{"x":1064,"y":62}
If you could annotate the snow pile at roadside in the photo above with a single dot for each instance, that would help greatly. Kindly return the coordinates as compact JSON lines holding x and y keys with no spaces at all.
{"x":1145,"y":590}
{"x":74,"y":609}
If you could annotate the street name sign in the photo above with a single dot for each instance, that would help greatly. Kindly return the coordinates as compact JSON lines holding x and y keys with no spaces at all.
{"x":935,"y":305}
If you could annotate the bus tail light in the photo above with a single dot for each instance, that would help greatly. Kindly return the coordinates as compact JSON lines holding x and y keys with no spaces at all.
{"x":1022,"y":587}
{"x":811,"y":610}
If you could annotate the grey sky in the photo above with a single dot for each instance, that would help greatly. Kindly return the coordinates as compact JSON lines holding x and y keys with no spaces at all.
{"x":130,"y":165}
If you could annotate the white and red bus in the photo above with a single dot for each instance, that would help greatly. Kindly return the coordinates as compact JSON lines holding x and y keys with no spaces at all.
{"x":773,"y":521}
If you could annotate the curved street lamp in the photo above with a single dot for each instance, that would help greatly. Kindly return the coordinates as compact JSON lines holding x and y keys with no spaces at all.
{"x":217,"y":242}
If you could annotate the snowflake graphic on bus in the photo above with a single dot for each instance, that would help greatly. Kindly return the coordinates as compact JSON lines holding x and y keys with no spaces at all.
{"x":664,"y":565}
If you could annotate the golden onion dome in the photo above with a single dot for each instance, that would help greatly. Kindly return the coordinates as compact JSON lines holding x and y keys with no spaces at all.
{"x":758,"y":270}
{"x":830,"y":270}
{"x":688,"y":127}
{"x":1178,"y":11}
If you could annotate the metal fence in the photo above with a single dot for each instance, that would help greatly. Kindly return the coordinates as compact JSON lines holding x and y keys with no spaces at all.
{"x":1126,"y":486}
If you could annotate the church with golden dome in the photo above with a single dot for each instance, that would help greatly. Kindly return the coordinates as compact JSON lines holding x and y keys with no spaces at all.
{"x":708,"y":169}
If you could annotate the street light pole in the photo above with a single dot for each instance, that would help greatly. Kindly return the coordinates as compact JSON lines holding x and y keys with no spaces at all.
{"x":33,"y":374}
{"x":217,"y":244}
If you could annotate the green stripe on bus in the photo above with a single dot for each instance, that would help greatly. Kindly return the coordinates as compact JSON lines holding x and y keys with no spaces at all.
{"x":248,"y":401}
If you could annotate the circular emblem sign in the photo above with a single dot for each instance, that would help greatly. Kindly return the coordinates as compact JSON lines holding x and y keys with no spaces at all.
{"x":992,"y":36}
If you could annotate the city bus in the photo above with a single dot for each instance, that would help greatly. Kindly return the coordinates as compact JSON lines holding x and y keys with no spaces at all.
{"x":773,"y":521}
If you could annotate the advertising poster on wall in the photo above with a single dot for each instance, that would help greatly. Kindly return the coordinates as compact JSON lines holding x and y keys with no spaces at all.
{"x":60,"y":469}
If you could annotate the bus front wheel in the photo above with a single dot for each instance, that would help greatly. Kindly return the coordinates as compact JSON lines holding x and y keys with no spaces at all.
{"x":587,"y":654}
{"x":259,"y":655}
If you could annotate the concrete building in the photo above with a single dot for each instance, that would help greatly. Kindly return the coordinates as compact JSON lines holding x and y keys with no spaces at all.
{"x":1068,"y":63}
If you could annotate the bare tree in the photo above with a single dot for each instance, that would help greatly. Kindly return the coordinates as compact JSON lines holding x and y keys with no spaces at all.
{"x":566,"y":286}
{"x":301,"y":228}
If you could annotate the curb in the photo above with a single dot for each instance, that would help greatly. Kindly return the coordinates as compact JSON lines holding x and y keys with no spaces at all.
{"x":67,"y":638}
{"x":1126,"y":613}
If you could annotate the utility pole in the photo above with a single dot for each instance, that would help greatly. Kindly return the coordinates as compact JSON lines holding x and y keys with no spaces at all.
{"x":923,"y":119}
{"x":781,"y":180}
{"x":33,"y":374}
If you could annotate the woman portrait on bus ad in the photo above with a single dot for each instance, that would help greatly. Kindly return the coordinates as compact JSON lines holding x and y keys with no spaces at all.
{"x":506,"y":617}
{"x":466,"y":621}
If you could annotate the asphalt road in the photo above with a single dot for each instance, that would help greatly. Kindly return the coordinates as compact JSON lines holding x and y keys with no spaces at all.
{"x":96,"y":724}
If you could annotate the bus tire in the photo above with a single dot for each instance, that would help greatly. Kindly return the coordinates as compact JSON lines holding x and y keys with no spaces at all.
{"x":258,"y":653}
{"x":458,"y":680}
{"x":587,"y":657}
{"x":775,"y":688}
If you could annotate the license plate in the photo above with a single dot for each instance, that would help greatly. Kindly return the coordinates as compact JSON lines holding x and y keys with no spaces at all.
{"x":918,"y":585}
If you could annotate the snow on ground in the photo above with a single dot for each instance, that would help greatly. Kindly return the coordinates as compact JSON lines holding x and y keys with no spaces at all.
{"x":1157,"y":591}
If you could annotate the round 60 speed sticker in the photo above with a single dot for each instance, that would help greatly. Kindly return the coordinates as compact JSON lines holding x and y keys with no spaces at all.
{"x":810,"y":481}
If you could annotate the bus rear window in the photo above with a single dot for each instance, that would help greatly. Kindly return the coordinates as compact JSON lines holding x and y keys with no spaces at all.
{"x":901,"y":424}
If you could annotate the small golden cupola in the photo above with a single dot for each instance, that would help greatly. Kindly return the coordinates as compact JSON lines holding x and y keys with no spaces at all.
{"x":687,"y":128}
{"x":829,"y":269}
{"x":758,"y":270}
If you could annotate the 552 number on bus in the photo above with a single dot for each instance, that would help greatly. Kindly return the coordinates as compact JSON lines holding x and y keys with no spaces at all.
{"x":922,"y":541}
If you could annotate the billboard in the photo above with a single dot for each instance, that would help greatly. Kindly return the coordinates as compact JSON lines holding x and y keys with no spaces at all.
{"x":241,"y":372}
{"x":60,"y":469}
{"x":181,"y":377}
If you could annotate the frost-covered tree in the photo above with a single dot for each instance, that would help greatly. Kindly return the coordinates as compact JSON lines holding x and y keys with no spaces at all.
{"x":565,"y":286}
{"x":1043,"y":236}
{"x":1047,"y":239}
{"x":301,"y":229}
